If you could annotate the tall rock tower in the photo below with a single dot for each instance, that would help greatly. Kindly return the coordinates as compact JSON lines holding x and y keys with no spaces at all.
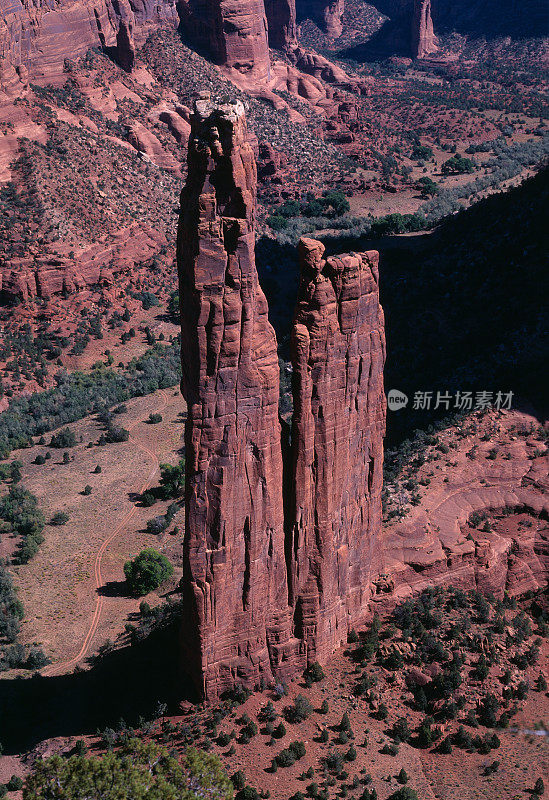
{"x":424,"y":41}
{"x":237,"y":620}
{"x":264,"y":596}
{"x":326,"y":13}
{"x":338,"y":354}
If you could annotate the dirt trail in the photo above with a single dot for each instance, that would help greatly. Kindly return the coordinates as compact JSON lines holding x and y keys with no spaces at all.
{"x":63,"y":666}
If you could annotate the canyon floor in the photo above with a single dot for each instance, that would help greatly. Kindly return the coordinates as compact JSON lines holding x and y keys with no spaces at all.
{"x":491,"y":455}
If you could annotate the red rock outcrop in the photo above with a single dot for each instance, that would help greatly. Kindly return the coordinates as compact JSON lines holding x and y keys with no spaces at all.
{"x":232,"y":32}
{"x":281,"y":21}
{"x":326,"y":13}
{"x":338,"y":354}
{"x":434,"y":544}
{"x":51,"y":273}
{"x":237,"y":624}
{"x":265,"y":596}
{"x":38,"y":37}
{"x":423,"y":34}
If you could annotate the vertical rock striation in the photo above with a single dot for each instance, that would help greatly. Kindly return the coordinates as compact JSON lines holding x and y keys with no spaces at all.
{"x":423,"y":34}
{"x":264,"y":595}
{"x":237,"y":621}
{"x":281,"y":22}
{"x":37,"y":37}
{"x":338,"y":346}
{"x":232,"y":32}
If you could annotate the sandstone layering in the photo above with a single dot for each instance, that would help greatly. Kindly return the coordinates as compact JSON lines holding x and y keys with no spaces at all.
{"x":237,"y":620}
{"x":265,"y":596}
{"x":232,"y":32}
{"x":36,"y":38}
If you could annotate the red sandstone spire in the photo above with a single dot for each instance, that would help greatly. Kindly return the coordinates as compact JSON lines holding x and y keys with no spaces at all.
{"x":339,"y":421}
{"x":236,"y":623}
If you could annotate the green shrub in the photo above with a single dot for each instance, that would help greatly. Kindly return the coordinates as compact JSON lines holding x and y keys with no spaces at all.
{"x":458,"y":165}
{"x":147,"y":572}
{"x":298,"y":749}
{"x":299,"y":711}
{"x":59,"y":518}
{"x":127,"y":774}
{"x":65,"y":438}
{"x":315,"y":672}
{"x":285,"y":758}
{"x":238,"y":779}
{"x":404,"y":793}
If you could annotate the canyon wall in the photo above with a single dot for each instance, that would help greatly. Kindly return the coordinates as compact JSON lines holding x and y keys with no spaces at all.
{"x":36,"y":38}
{"x":281,"y":21}
{"x":326,"y":13}
{"x":338,"y":346}
{"x":233,"y":33}
{"x":237,"y":622}
{"x":265,"y":596}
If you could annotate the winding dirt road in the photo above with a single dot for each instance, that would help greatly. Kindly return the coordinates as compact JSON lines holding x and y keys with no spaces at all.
{"x":63,"y":666}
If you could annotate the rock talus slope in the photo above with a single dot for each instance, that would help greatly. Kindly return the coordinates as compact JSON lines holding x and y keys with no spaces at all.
{"x":338,"y":347}
{"x":237,"y":621}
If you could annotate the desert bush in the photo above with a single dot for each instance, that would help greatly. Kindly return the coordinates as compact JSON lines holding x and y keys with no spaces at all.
{"x":147,"y":572}
{"x":315,"y":672}
{"x":404,"y":793}
{"x":65,"y":438}
{"x":285,"y":758}
{"x":299,"y":711}
{"x":59,"y":518}
{"x":22,"y":517}
{"x":280,"y":731}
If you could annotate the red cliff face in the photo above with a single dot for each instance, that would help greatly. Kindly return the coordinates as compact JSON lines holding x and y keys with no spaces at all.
{"x":338,"y":427}
{"x":326,"y":13}
{"x":423,"y":35}
{"x":281,"y":21}
{"x":241,"y":620}
{"x":237,"y":621}
{"x":232,"y":32}
{"x":38,"y":37}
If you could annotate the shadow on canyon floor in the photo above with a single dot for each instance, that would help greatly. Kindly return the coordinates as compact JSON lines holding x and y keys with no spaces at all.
{"x":487,"y":20}
{"x":127,"y":683}
{"x":462,"y":304}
